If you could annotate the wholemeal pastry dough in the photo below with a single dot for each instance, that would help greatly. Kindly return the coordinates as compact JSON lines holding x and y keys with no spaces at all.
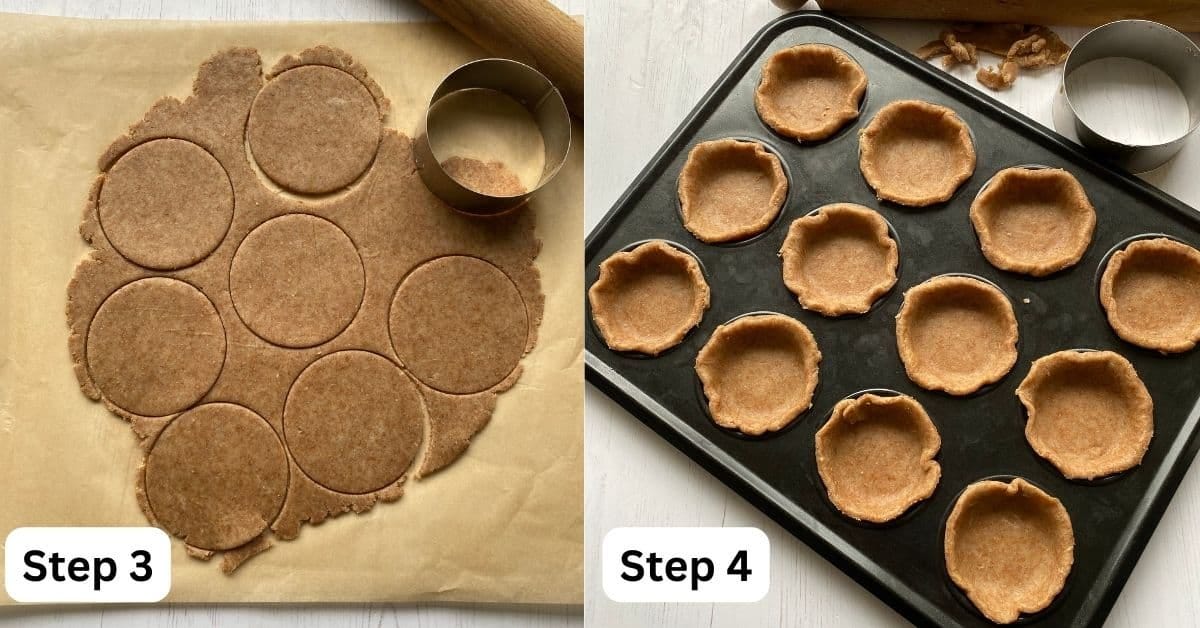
{"x":730,"y":190}
{"x":956,"y":334}
{"x":810,"y":91}
{"x":916,"y":153}
{"x":647,"y":299}
{"x":759,"y":372}
{"x":839,"y":259}
{"x":1150,"y":291}
{"x":1035,"y":221}
{"x":875,"y":456}
{"x":1009,"y":546}
{"x":1090,"y":415}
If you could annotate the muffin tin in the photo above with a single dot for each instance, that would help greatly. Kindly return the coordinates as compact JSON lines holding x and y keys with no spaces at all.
{"x":982,"y":434}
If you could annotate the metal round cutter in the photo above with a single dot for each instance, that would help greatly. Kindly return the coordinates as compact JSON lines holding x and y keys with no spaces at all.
{"x":523,"y":84}
{"x":1156,"y":44}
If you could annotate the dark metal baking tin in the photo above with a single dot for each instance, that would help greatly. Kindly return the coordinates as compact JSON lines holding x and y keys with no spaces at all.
{"x":981,"y":435}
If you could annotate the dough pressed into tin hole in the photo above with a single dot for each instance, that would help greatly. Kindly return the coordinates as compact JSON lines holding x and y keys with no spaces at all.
{"x":839,"y":259}
{"x":956,"y":334}
{"x":809,"y":92}
{"x":1010,"y":547}
{"x":165,"y":204}
{"x":1033,"y":221}
{"x":1089,"y":414}
{"x":875,"y":456}
{"x":314,"y":129}
{"x":916,"y":153}
{"x":647,"y":299}
{"x":731,"y":190}
{"x":759,"y":372}
{"x":1150,"y":291}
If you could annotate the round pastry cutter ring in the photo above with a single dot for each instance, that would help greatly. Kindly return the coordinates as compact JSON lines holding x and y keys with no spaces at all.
{"x":1156,"y":44}
{"x":528,"y":87}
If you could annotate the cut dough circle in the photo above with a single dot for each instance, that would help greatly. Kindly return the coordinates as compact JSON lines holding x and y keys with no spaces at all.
{"x":956,"y":334}
{"x":1089,"y":413}
{"x":875,"y":456}
{"x":314,"y":129}
{"x":916,"y":153}
{"x":730,"y":190}
{"x":1009,"y":546}
{"x":1150,"y":291}
{"x":297,"y":280}
{"x":459,"y":324}
{"x":1034,"y":221}
{"x":759,"y":372}
{"x":166,"y":204}
{"x":810,"y":91}
{"x":161,"y":364}
{"x":353,"y":421}
{"x":647,"y":299}
{"x":839,"y":259}
{"x":217,"y":476}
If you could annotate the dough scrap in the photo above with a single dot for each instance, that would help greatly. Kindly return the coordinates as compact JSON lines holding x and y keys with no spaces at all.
{"x":916,"y":153}
{"x":648,"y":299}
{"x":314,"y":129}
{"x":759,"y":372}
{"x":314,"y":278}
{"x":1018,"y":45}
{"x":839,"y":259}
{"x":1010,"y":547}
{"x":875,"y":455}
{"x":1033,"y":221}
{"x":730,"y":190}
{"x":810,"y":91}
{"x":956,"y":334}
{"x":1090,"y":415}
{"x":1150,"y":291}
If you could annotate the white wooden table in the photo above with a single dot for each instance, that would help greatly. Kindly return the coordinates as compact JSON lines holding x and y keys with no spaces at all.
{"x":648,"y":63}
{"x":350,"y":616}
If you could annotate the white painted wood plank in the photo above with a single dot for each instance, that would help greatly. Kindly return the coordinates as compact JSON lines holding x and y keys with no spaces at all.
{"x":648,"y":63}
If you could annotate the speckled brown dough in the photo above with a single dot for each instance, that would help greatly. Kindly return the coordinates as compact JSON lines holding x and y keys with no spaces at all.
{"x":810,"y":91}
{"x":839,"y":260}
{"x":916,"y":153}
{"x":1035,"y":221}
{"x":314,"y":129}
{"x":759,"y":372}
{"x":353,"y":421}
{"x":490,"y":177}
{"x":1150,"y":291}
{"x":875,"y":456}
{"x":158,"y":365}
{"x":956,"y":334}
{"x":646,"y":300}
{"x":1009,"y":547}
{"x":1089,"y":413}
{"x":216,"y":476}
{"x":295,"y":286}
{"x":730,"y":190}
{"x":166,"y":204}
{"x":459,"y":311}
{"x":296,"y":280}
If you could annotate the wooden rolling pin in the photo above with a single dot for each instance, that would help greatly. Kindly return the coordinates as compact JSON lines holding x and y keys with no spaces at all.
{"x":1181,"y":14}
{"x":530,"y":31}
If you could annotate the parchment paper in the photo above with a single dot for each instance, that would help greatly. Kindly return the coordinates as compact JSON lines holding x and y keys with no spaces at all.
{"x":503,"y":524}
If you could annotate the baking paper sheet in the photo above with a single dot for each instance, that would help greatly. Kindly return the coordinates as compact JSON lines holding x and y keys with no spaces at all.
{"x":502,"y":524}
